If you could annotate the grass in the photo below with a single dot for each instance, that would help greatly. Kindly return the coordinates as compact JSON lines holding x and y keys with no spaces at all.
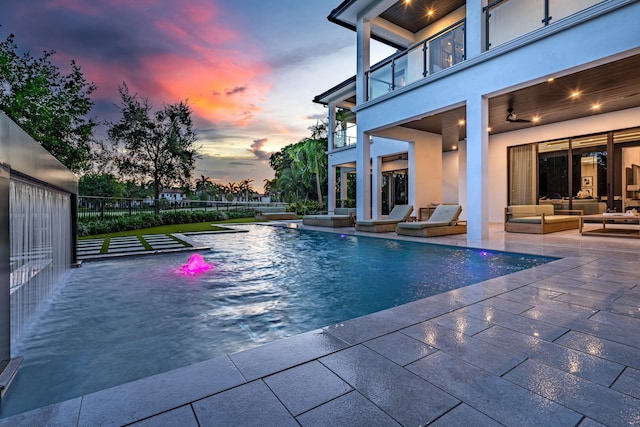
{"x":174,"y":228}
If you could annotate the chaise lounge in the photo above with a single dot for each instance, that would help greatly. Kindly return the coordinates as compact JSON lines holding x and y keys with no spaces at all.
{"x":398,"y":214}
{"x":342,"y":217}
{"x":539,"y":219}
{"x":274,"y":213}
{"x":442,"y":222}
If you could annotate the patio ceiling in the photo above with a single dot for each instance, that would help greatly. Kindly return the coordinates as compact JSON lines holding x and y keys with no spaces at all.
{"x":612,"y":86}
{"x":411,"y":16}
{"x":418,"y":14}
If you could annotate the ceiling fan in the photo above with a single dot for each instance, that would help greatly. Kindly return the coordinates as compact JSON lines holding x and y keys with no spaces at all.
{"x":513,"y":118}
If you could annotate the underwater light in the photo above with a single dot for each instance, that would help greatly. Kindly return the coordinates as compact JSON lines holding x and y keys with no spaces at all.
{"x":195,"y":265}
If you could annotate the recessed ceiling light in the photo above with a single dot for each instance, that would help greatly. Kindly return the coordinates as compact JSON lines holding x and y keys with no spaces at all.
{"x":535,"y":119}
{"x":575,"y":94}
{"x":488,"y":129}
{"x":454,"y":147}
{"x":461,"y":122}
{"x":430,"y":12}
{"x":550,"y":80}
{"x":596,"y":107}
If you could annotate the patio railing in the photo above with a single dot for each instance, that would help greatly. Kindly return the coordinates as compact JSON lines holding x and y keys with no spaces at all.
{"x":429,"y":56}
{"x":506,"y":20}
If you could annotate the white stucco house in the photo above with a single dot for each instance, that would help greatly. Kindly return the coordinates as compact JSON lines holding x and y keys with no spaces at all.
{"x":488,"y":104}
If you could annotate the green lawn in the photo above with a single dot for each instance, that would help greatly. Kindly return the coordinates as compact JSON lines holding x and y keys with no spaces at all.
{"x":175,"y":228}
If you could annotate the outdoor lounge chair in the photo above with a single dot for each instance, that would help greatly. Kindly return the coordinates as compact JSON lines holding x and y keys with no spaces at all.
{"x":342,"y":217}
{"x":398,"y":213}
{"x":442,"y":222}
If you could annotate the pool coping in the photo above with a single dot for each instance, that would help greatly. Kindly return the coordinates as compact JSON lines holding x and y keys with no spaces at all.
{"x":274,"y":383}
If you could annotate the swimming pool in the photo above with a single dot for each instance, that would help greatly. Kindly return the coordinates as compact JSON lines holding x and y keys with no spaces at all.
{"x":123,"y":319}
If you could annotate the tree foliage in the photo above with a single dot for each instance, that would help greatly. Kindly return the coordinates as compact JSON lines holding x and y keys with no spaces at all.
{"x":103,"y":185}
{"x":301,"y":168}
{"x":154,"y":146}
{"x":50,"y":106}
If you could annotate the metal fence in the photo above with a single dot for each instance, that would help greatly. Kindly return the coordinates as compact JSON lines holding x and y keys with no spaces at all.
{"x":104,"y":207}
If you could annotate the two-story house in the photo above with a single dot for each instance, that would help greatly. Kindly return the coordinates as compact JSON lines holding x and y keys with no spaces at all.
{"x":487,"y":104}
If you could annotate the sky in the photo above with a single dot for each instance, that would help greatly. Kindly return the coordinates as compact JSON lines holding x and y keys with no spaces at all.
{"x":249,"y":69}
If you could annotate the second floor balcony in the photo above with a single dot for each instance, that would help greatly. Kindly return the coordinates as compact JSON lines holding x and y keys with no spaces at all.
{"x":503,"y":21}
{"x":429,"y":56}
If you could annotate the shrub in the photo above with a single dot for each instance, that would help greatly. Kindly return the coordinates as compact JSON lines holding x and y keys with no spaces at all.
{"x":88,"y":226}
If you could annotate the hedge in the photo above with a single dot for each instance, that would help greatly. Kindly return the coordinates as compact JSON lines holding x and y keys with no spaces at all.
{"x":89,"y":226}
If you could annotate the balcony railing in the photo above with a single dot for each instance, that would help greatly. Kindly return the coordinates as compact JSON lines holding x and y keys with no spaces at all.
{"x":429,"y":56}
{"x":509,"y":19}
{"x":345,"y":137}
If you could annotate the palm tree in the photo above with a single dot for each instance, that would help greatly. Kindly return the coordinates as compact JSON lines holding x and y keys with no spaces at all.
{"x":245,"y":187}
{"x":203,"y":184}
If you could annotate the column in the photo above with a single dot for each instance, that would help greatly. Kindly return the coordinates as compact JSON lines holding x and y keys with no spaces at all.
{"x":474,"y":37}
{"x":344,"y":178}
{"x":331,"y":189}
{"x":363,"y":176}
{"x":376,"y":187}
{"x":477,"y":168}
{"x":363,"y":59}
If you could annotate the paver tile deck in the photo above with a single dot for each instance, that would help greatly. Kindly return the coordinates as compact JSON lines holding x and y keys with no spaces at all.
{"x":557,"y":345}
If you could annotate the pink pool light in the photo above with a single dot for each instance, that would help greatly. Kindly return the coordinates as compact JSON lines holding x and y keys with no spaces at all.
{"x":196,"y":265}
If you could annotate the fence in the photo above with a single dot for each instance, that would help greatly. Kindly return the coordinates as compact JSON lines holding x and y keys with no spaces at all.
{"x":104,"y":207}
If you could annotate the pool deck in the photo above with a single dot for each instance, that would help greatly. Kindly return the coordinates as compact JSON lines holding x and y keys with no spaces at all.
{"x":558,"y":344}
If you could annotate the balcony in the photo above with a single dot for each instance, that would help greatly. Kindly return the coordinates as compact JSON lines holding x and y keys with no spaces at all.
{"x":345,"y":137}
{"x":423,"y":59}
{"x":509,"y":19}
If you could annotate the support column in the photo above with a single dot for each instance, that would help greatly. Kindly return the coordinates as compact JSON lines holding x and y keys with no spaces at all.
{"x":363,"y":59}
{"x":474,"y":25}
{"x":331,"y":126}
{"x":462,"y":178}
{"x":344,"y":179}
{"x":331,"y":189}
{"x":477,"y":168}
{"x":376,"y":187}
{"x":363,"y":176}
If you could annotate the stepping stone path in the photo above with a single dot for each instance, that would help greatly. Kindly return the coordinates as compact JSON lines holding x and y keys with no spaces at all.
{"x":162,"y":241}
{"x":128,"y":245}
{"x":125,"y":244}
{"x":89,"y":247}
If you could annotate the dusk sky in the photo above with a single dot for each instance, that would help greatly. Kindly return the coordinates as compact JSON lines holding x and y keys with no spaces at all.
{"x":248,"y":68}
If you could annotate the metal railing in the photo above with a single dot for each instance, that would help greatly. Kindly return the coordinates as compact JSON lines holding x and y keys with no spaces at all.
{"x":429,"y":56}
{"x":104,"y":207}
{"x":506,"y":20}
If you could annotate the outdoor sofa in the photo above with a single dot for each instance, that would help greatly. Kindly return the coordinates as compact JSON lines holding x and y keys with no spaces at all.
{"x":341,"y":217}
{"x":539,"y":219}
{"x":274,"y":213}
{"x":398,"y":214}
{"x":442,"y":222}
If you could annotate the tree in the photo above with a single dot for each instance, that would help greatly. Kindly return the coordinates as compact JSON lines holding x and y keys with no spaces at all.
{"x":157,"y":146}
{"x":245,"y":187}
{"x":50,"y":106}
{"x":103,"y":185}
{"x":301,"y":169}
{"x":203,"y":185}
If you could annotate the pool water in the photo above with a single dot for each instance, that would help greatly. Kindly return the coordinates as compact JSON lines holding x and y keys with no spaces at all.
{"x":123,"y":319}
